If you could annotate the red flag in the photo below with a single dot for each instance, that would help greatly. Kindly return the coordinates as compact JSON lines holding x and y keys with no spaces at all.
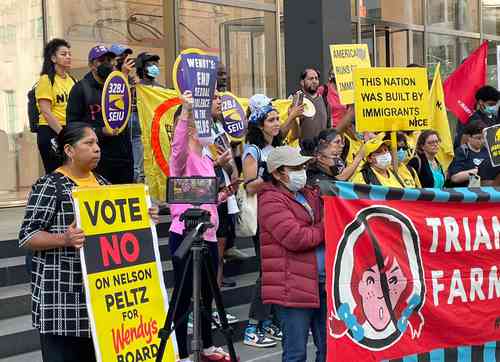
{"x":461,"y":86}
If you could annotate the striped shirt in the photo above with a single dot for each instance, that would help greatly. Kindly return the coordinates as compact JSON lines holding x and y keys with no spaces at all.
{"x":58,"y":301}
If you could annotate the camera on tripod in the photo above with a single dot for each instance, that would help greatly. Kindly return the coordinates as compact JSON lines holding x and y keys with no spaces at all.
{"x":195,"y":191}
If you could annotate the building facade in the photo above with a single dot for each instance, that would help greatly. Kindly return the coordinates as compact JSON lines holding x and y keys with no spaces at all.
{"x":247,"y":35}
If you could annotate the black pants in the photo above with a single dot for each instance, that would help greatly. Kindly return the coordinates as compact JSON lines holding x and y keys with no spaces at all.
{"x":44,"y":136}
{"x":258,"y":310}
{"x":175,"y":240}
{"x":66,"y":349}
{"x":226,"y":225}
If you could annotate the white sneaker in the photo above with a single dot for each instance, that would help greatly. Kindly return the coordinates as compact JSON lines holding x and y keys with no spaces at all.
{"x":231,"y":319}
{"x":256,"y":338}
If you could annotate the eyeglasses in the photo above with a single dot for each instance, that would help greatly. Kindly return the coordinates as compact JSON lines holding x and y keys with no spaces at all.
{"x":433,"y":142}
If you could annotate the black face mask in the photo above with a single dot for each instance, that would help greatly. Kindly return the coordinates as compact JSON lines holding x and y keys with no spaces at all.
{"x":103,"y":70}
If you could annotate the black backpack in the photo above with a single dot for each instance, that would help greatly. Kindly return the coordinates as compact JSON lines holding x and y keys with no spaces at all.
{"x":33,"y":111}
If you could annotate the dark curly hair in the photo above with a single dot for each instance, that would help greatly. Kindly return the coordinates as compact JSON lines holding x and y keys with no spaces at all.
{"x":487,"y":93}
{"x":50,"y":50}
{"x":255,"y":136}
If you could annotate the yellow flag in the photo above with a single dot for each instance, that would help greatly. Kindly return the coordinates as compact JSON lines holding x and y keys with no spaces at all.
{"x":148,"y":100}
{"x":440,"y":121}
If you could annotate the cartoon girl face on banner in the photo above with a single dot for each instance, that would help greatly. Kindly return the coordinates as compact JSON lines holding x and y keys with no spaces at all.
{"x":379,"y":259}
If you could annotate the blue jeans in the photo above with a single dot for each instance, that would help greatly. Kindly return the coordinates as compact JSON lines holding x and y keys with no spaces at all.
{"x":295,"y":325}
{"x":137,"y":147}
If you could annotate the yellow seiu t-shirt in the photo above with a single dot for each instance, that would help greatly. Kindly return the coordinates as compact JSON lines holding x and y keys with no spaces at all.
{"x":89,"y":181}
{"x":406,"y":176}
{"x":390,"y":181}
{"x":57,"y":94}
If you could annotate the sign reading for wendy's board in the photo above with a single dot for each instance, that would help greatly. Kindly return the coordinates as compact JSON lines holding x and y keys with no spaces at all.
{"x":411,"y":271}
{"x":126,"y":297}
{"x":197,"y":73}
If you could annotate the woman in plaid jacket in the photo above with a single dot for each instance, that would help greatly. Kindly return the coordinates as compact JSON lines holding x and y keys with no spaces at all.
{"x":59,"y":311}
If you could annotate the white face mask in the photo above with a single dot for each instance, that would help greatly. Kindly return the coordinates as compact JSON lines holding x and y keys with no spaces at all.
{"x":297,"y":180}
{"x":384,"y":160}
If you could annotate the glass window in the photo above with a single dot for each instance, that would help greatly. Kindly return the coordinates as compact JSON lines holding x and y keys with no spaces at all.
{"x":11,"y":111}
{"x":137,"y":24}
{"x":492,"y":63}
{"x":491,"y":16}
{"x":454,"y":14}
{"x":402,"y":11}
{"x":245,"y":41}
{"x":418,"y":47}
{"x":450,"y":51}
{"x":20,"y":61}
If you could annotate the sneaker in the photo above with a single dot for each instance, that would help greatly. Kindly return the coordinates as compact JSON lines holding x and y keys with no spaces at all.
{"x":257,"y":338}
{"x":215,"y":354}
{"x":231,"y":319}
{"x":235,"y":254}
{"x":272,"y":330}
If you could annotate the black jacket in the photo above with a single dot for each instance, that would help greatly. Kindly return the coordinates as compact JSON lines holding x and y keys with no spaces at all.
{"x":478,"y":116}
{"x":421,"y":165}
{"x":84,"y":105}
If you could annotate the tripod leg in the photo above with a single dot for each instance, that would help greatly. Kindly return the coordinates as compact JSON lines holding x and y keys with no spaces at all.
{"x":169,"y":325}
{"x":196,"y":342}
{"x":226,"y":329}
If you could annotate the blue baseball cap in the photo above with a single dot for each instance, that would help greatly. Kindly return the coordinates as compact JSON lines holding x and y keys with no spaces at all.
{"x":99,"y":51}
{"x":119,"y":49}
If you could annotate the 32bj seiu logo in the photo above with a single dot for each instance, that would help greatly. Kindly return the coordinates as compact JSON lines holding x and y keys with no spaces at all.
{"x":378,"y":287}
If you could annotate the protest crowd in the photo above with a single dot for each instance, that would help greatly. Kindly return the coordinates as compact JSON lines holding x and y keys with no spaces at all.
{"x":270,"y":185}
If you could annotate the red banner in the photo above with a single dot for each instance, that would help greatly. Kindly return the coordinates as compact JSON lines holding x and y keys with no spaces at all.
{"x":407,"y":277}
{"x":461,"y":86}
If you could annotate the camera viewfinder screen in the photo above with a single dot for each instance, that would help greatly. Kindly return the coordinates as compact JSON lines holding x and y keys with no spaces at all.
{"x":192,"y":190}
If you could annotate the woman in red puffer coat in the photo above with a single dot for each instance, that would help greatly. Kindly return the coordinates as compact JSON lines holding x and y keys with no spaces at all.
{"x":292,"y":247}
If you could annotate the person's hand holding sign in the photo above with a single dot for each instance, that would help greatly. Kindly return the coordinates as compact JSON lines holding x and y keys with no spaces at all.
{"x":110,"y":132}
{"x":128,"y":65}
{"x":74,"y":236}
{"x":187,"y":103}
{"x":296,"y":111}
{"x":153,"y":212}
{"x":224,"y":157}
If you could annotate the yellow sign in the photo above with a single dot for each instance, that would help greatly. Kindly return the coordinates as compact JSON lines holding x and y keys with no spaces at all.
{"x":126,"y":299}
{"x":391,"y":99}
{"x":345,"y":58}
